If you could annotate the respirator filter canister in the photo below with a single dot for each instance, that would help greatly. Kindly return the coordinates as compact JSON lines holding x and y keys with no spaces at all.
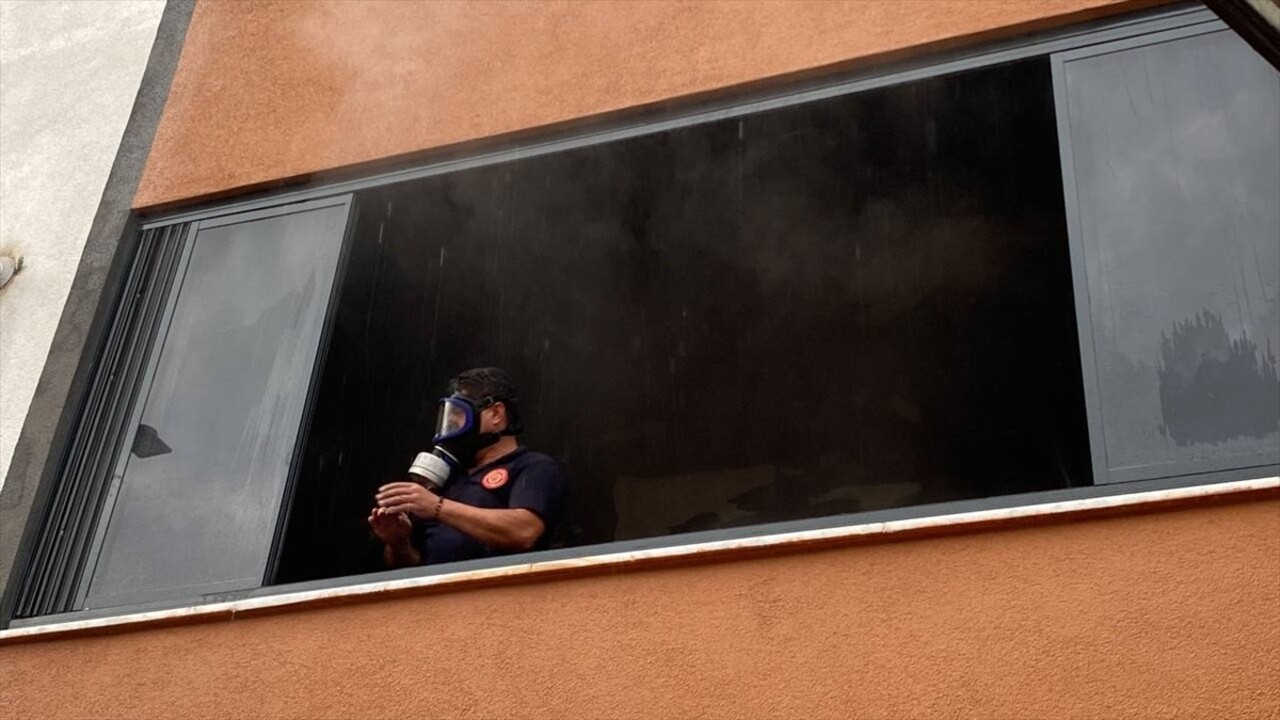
{"x":432,"y":468}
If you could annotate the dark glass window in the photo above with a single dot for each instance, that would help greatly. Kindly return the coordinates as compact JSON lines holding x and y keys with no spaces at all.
{"x":204,"y":475}
{"x":848,"y":305}
{"x":1176,"y":152}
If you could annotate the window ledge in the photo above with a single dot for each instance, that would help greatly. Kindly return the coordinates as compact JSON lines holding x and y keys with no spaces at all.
{"x":866,"y":533}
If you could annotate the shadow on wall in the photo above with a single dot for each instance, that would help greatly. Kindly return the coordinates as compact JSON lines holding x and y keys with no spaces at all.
{"x":1214,"y":387}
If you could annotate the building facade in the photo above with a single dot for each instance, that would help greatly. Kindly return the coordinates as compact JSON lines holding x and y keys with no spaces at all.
{"x":909,"y":359}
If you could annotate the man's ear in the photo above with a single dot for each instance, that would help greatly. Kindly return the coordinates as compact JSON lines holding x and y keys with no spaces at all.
{"x":502,"y":419}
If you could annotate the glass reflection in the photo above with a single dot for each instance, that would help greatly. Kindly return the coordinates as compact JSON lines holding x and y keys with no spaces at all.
{"x":1177,"y":160}
{"x":202,"y":486}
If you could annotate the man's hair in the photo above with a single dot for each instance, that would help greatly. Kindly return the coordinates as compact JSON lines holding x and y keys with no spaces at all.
{"x":491,"y":382}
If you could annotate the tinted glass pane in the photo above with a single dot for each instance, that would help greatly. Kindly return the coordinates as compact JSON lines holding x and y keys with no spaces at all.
{"x":1177,"y":163}
{"x":850,"y":305}
{"x":204,"y":477}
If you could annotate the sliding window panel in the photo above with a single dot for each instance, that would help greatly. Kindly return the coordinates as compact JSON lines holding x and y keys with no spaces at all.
{"x":207,"y":463}
{"x":1171,"y":161}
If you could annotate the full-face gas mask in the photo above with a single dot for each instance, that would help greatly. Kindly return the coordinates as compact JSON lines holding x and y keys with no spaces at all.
{"x":457,"y":438}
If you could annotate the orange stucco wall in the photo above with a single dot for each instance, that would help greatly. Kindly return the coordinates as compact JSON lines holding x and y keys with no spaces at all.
{"x":1169,"y":614}
{"x":273,"y":90}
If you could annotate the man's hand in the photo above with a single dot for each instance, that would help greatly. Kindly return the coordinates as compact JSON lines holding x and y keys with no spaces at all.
{"x":502,"y":528}
{"x":407,"y":497}
{"x":395,"y":530}
{"x":392,"y":528}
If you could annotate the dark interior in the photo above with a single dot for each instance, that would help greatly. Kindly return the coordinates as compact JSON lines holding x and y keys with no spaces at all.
{"x":858,"y":303}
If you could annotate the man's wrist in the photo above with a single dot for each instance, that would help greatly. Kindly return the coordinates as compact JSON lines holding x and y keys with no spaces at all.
{"x":401,"y":555}
{"x":400,"y":548}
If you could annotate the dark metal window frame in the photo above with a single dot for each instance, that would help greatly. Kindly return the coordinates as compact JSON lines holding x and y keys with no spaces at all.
{"x":1180,"y":20}
{"x":62,"y":550}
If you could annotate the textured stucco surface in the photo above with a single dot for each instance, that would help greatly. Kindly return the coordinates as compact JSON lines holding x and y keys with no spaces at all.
{"x":267,"y":91}
{"x":1162,"y":615}
{"x":69,"y":72}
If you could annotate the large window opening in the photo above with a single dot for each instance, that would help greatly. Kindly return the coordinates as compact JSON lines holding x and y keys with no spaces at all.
{"x":848,"y":305}
{"x":1005,"y":279}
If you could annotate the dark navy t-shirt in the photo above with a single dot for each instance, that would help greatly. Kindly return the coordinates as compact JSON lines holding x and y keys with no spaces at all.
{"x":519,"y":479}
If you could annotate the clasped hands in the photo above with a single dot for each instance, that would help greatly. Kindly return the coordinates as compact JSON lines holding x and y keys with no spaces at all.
{"x":396,"y":501}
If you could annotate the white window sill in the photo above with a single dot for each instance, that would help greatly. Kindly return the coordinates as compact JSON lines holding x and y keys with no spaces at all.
{"x":767,"y":544}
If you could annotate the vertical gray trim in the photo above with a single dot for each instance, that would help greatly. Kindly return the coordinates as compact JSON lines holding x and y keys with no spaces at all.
{"x":1079,"y":274}
{"x":90,"y":303}
{"x":67,"y":522}
{"x":313,"y":392}
{"x":172,"y":287}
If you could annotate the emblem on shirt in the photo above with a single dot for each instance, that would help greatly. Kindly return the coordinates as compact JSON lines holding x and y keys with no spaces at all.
{"x":495,"y":479}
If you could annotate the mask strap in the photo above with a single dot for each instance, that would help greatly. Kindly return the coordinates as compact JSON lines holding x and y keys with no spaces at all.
{"x":490,"y":401}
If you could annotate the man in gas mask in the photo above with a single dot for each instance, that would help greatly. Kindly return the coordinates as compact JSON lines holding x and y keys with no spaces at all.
{"x":499,"y":497}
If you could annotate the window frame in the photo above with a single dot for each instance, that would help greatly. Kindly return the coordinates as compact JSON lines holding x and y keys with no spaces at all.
{"x":1136,"y":29}
{"x":175,"y":284}
{"x":1102,"y":472}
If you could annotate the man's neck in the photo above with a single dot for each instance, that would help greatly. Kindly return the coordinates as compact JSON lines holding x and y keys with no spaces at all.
{"x":506,"y":445}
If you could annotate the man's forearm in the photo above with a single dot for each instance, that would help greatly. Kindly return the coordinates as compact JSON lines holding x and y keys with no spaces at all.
{"x":401,"y":555}
{"x":501,"y":528}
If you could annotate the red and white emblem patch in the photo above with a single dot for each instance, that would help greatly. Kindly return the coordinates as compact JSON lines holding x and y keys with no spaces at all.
{"x":495,"y":479}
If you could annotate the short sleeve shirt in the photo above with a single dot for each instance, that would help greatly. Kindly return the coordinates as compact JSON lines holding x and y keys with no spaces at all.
{"x":520,"y":479}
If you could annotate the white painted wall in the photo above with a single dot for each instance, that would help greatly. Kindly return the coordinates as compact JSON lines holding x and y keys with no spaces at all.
{"x":69,"y":71}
